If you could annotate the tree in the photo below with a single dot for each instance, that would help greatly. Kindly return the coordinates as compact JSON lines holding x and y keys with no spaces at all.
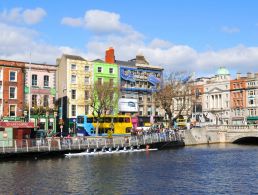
{"x":104,"y":99}
{"x":176,"y":96}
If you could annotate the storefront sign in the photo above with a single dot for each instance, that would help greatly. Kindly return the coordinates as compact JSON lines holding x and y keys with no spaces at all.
{"x":16,"y":124}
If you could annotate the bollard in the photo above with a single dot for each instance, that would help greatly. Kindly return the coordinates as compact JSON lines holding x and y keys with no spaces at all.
{"x":79,"y":145}
{"x":15,"y":146}
{"x":114,"y":144}
{"x":3,"y":148}
{"x":59,"y":144}
{"x":27,"y":146}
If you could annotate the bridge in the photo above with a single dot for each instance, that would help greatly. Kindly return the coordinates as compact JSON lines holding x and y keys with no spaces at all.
{"x":222,"y":134}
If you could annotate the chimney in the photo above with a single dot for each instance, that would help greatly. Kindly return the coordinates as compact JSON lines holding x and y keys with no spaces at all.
{"x":238,"y":75}
{"x":110,"y":56}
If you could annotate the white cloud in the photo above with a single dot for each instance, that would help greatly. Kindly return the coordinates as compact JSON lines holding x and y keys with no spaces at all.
{"x":31,"y":16}
{"x":17,"y":43}
{"x":19,"y":15}
{"x":101,"y":23}
{"x":230,"y":30}
{"x":75,"y":22}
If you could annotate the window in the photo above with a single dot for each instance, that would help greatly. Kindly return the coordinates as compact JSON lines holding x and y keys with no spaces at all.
{"x":12,"y":110}
{"x":46,"y":101}
{"x":99,"y":69}
{"x":73,"y":66}
{"x":73,"y":94}
{"x":86,"y":109}
{"x":86,"y":95}
{"x":73,"y":79}
{"x":140,"y":98}
{"x":86,"y":80}
{"x":148,"y":98}
{"x":46,"y":81}
{"x":111,"y":70}
{"x":86,"y":68}
{"x":34,"y":80}
{"x":99,"y":80}
{"x":12,"y":93}
{"x":13,"y":76}
{"x":73,"y":110}
{"x":111,"y":82}
{"x":34,"y":100}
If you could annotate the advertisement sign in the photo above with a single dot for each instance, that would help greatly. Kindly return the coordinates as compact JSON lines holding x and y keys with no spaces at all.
{"x":128,"y":105}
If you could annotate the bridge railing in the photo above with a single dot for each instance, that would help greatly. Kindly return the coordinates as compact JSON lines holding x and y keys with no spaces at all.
{"x":80,"y":143}
{"x":233,"y":127}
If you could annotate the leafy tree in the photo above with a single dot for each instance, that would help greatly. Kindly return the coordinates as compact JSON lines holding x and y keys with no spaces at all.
{"x":104,"y":99}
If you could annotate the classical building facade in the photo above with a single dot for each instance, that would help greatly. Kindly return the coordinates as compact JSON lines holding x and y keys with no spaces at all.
{"x":75,"y":78}
{"x":11,"y":88}
{"x":216,"y":98}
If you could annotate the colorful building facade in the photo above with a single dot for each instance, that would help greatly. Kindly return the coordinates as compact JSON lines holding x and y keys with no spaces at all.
{"x":75,"y":78}
{"x":11,"y":89}
{"x":40,"y":95}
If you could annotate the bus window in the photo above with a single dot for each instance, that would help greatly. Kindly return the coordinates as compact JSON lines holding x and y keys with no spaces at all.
{"x":80,"y":119}
{"x":101,"y":119}
{"x":121,"y":120}
{"x":107,"y":120}
{"x":90,"y":120}
{"x":127,"y":119}
{"x":115,"y":119}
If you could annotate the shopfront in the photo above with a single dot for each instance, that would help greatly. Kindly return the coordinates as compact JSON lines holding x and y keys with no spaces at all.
{"x":252,"y":120}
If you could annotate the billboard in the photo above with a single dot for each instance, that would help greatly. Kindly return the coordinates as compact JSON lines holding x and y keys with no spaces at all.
{"x":127,"y":105}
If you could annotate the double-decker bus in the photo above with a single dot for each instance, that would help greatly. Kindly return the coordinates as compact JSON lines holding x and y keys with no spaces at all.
{"x":119,"y":124}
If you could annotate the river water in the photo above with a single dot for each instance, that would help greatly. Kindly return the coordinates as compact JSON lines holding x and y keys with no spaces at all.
{"x":209,"y":169}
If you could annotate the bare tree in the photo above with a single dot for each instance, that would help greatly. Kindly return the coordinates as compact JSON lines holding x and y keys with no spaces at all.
{"x":176,"y":96}
{"x":104,"y":98}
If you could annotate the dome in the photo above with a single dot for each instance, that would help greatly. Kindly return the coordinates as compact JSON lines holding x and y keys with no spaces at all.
{"x":222,"y":71}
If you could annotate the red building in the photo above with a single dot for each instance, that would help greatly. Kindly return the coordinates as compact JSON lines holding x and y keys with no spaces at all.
{"x":11,"y":88}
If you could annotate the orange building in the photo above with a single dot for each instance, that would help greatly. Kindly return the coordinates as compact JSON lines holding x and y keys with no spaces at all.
{"x":238,"y":99}
{"x":11,"y":88}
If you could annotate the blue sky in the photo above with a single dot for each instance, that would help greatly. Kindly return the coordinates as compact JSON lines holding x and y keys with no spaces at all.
{"x":180,"y":35}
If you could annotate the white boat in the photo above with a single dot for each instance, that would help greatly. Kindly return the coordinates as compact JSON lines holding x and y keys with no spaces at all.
{"x":108,"y":152}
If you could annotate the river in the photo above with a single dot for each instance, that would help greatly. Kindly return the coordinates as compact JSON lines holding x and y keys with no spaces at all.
{"x":206,"y":169}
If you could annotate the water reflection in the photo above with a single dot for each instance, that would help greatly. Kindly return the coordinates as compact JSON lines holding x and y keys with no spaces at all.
{"x":212,"y":169}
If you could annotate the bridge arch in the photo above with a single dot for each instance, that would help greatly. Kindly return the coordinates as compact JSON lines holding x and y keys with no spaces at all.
{"x":248,"y":140}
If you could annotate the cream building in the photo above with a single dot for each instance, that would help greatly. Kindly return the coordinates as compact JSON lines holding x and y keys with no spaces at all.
{"x":75,"y":78}
{"x":216,"y":98}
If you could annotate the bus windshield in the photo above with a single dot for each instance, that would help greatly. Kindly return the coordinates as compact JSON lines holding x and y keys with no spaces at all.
{"x":80,"y":119}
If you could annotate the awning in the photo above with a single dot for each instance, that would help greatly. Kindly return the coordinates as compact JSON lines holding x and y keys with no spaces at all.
{"x":238,"y":118}
{"x":252,"y":118}
{"x":16,"y":124}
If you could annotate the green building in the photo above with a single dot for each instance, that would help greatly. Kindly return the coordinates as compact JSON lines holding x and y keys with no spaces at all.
{"x":106,"y":72}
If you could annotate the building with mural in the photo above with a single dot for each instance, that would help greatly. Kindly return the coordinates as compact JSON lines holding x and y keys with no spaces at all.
{"x":138,"y":82}
{"x":40,"y":95}
{"x":75,"y":78}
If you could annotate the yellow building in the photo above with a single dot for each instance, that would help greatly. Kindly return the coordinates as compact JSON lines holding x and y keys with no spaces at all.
{"x":74,"y":78}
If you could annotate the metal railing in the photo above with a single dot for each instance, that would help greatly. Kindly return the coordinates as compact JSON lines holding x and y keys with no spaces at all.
{"x":84,"y":143}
